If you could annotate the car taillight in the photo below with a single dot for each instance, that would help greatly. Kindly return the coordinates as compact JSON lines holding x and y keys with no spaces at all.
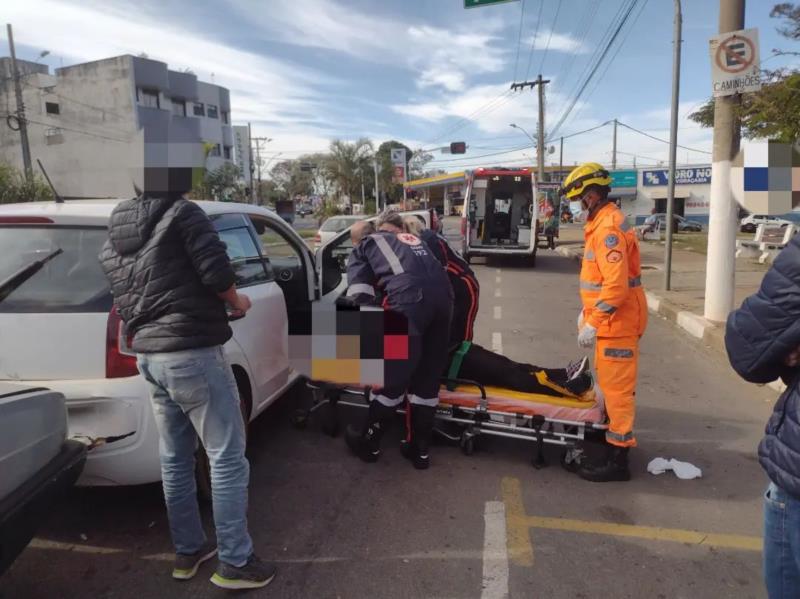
{"x":463,"y":227}
{"x":120,"y":359}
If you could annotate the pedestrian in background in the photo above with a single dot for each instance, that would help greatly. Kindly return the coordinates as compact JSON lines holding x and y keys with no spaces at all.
{"x":171,"y":280}
{"x":763,"y":343}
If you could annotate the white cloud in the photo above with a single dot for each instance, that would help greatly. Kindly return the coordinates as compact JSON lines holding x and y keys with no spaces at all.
{"x":85,"y":34}
{"x":558,"y":42}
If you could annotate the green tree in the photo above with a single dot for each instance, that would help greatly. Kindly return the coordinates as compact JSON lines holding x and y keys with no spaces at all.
{"x":223,"y":183}
{"x":349,"y":164}
{"x":394,"y":190}
{"x":774,"y":111}
{"x":14,"y":187}
{"x":291,"y":179}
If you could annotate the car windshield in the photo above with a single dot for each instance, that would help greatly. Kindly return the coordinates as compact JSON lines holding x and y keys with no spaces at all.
{"x":334,"y":225}
{"x":72,"y":282}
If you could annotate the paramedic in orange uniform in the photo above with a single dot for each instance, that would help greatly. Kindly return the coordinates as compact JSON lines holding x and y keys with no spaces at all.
{"x":614,"y":314}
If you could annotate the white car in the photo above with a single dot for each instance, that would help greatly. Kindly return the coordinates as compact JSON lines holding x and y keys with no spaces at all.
{"x":750,"y":223}
{"x":334,"y":225}
{"x":59,"y":329}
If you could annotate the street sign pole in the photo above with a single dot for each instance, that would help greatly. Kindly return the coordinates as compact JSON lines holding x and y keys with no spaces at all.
{"x":723,"y":212}
{"x":479,"y":3}
{"x":673,"y":142}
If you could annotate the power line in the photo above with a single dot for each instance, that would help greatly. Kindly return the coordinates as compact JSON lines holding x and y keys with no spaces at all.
{"x":519,"y":37}
{"x":80,"y":131}
{"x":486,"y":108}
{"x":550,"y":37}
{"x":482,"y":155}
{"x":533,"y":41}
{"x":596,"y":66}
{"x":639,"y":131}
{"x":579,"y":132}
{"x":581,"y":31}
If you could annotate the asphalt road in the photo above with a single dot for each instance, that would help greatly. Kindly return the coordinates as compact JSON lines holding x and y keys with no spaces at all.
{"x":469,"y":527}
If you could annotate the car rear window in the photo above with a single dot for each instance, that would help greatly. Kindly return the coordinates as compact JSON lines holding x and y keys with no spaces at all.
{"x":70,"y":282}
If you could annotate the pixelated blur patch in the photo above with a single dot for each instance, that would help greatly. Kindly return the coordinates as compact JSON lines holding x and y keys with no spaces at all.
{"x":765,"y":177}
{"x":395,"y":347}
{"x":347,"y":345}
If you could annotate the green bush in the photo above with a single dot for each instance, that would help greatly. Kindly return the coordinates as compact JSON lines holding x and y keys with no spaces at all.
{"x":15,"y":188}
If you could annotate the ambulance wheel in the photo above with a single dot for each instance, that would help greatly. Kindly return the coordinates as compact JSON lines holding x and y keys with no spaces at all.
{"x":299,"y":419}
{"x":467,"y":444}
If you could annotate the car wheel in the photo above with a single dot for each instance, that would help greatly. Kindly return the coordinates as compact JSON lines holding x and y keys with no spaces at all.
{"x":202,"y":469}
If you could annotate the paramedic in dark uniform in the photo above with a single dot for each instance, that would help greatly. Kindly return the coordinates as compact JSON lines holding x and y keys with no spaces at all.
{"x":415,"y":287}
{"x":468,"y":360}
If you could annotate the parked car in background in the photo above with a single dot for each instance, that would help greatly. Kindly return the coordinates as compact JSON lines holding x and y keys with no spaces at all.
{"x":681,"y":224}
{"x":334,"y":225}
{"x":37,"y":462}
{"x":60,"y":331}
{"x":304,"y":210}
{"x":750,"y":223}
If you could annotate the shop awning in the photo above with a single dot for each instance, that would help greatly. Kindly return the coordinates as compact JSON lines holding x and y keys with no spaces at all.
{"x":438,"y":180}
{"x":622,"y":192}
{"x":660,"y":193}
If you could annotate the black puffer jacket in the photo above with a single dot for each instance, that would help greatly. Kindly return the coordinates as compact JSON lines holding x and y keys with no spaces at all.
{"x":166,"y":265}
{"x":759,"y":336}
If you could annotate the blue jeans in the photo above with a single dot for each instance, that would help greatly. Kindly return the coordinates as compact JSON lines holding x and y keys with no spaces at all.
{"x":781,"y":543}
{"x":194,"y":394}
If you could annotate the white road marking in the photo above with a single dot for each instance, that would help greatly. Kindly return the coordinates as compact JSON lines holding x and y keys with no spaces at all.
{"x":495,"y":552}
{"x":498,"y":312}
{"x":497,"y":271}
{"x":44,"y":544}
{"x":498,"y":279}
{"x":498,"y":293}
{"x":497,"y":343}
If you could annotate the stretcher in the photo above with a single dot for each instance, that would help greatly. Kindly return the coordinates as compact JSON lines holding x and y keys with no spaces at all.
{"x":474,"y":410}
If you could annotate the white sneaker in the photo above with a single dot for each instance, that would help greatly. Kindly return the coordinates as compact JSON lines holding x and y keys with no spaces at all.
{"x":577,"y":368}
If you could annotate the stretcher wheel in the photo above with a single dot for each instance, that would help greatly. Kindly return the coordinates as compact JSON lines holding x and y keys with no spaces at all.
{"x":467,"y":444}
{"x":299,"y":419}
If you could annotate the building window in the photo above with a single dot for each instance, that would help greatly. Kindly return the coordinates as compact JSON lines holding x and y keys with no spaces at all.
{"x":53,"y":136}
{"x":212,"y":112}
{"x":226,"y":152}
{"x":52,"y":108}
{"x":199,"y":109}
{"x":178,"y":107}
{"x":214,"y":151}
{"x":148,"y":98}
{"x":225,"y":116}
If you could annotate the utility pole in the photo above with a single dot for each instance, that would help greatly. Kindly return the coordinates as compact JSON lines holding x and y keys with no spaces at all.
{"x":251,"y":165}
{"x":673,"y":142}
{"x":23,"y":123}
{"x":561,"y":162}
{"x":614,"y":149}
{"x":540,"y":144}
{"x":723,"y":211}
{"x":258,"y":141}
{"x":377,"y":192}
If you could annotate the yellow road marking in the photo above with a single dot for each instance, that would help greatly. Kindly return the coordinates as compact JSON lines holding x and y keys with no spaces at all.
{"x":519,"y":526}
{"x":520,"y":549}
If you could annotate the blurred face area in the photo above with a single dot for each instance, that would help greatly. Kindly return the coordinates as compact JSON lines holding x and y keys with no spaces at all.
{"x":390,"y":228}
{"x":590,"y":200}
{"x":412,"y":225}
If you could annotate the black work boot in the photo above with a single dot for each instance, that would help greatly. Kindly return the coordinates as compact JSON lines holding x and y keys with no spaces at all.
{"x":416,"y":450}
{"x":366,"y":443}
{"x":613,"y":468}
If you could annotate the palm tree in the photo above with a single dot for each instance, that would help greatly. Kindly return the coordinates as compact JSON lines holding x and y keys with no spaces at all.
{"x":347,"y":162}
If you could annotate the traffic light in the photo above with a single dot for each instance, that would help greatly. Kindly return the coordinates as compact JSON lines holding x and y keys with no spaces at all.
{"x":458,"y":147}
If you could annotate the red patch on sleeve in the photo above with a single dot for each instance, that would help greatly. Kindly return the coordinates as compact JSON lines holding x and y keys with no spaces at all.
{"x":614,"y":256}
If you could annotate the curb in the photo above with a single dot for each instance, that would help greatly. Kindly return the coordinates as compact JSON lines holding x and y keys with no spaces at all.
{"x":711,"y":334}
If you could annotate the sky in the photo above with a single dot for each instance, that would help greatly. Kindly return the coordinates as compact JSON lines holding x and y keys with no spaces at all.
{"x":424,"y":72}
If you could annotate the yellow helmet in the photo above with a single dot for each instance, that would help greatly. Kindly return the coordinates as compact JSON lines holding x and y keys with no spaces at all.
{"x":589,"y":173}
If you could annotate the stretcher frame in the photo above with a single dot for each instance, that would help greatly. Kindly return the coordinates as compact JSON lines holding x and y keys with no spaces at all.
{"x":475,"y":421}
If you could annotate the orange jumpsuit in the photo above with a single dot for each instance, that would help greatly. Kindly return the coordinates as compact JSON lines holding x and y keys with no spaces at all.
{"x":614,"y":303}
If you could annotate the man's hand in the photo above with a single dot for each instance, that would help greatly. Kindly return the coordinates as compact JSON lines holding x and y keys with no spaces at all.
{"x":793,"y":359}
{"x":587,"y":336}
{"x":240,"y":305}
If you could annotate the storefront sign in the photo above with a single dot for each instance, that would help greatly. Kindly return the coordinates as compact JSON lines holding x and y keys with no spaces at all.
{"x":683,"y":176}
{"x":623,"y":178}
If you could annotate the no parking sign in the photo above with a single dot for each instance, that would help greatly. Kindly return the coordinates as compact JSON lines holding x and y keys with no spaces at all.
{"x":735,"y":65}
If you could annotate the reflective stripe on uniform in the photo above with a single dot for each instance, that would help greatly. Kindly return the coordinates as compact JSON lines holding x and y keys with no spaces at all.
{"x":624,"y":227}
{"x":589,"y":255}
{"x":612,"y":352}
{"x":635,"y":282}
{"x":357,"y":288}
{"x":388,"y":253}
{"x":389,"y":402}
{"x":416,"y":400}
{"x":591,"y":285}
{"x":604,"y":307}
{"x":617,"y":437}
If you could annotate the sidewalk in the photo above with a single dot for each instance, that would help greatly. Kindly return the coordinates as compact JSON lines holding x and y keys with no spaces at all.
{"x":684,"y":304}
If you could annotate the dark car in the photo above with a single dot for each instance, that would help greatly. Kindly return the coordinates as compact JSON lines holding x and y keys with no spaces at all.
{"x":304,"y":210}
{"x":37,"y":462}
{"x":681,"y":224}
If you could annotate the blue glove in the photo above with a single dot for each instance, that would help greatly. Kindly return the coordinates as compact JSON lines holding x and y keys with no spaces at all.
{"x":587,"y":336}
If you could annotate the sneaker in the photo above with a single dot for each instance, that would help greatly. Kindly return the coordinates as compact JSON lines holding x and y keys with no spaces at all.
{"x":421,"y":461}
{"x":253,"y":575}
{"x":581,"y":385}
{"x":577,"y":368}
{"x":186,"y":565}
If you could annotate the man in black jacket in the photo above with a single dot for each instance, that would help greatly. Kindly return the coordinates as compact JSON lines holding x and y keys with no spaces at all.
{"x":763,"y":341}
{"x":171,"y":280}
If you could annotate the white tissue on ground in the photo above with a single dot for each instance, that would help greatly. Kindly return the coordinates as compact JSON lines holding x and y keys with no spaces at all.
{"x":683,"y":470}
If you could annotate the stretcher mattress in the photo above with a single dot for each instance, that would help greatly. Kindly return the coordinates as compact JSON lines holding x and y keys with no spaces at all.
{"x":529,"y":404}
